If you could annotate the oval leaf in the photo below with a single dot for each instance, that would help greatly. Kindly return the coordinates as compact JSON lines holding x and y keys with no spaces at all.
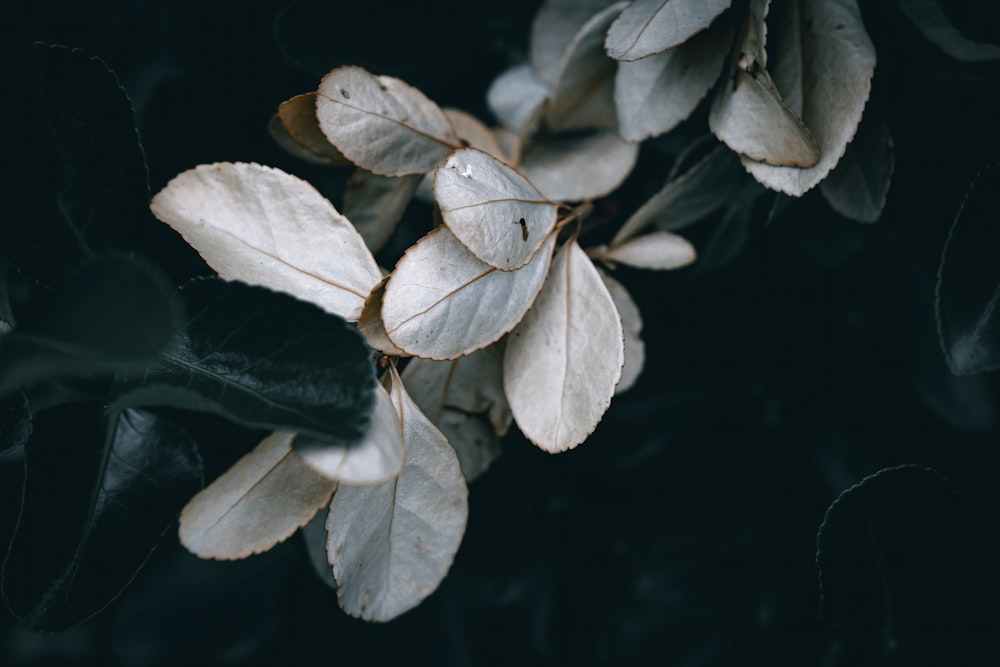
{"x":99,"y":494}
{"x":929,"y":16}
{"x":653,"y":95}
{"x":391,"y":545}
{"x":376,"y":459}
{"x":261,"y":500}
{"x":375,"y":204}
{"x":516,"y":98}
{"x":442,"y":303}
{"x":811,"y":35}
{"x":298,"y":119}
{"x":261,"y":359}
{"x":635,"y":348}
{"x":857,"y":188}
{"x":492,"y":209}
{"x":382,"y":124}
{"x":647,"y":27}
{"x":464,"y":398}
{"x":968,"y":285}
{"x":658,"y":250}
{"x":563,"y":361}
{"x":576,"y":167}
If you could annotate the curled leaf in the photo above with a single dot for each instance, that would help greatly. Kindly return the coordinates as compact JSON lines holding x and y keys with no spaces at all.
{"x":657,"y":250}
{"x":297,"y":117}
{"x":564,"y":359}
{"x":382,"y":124}
{"x":556,"y":24}
{"x":261,"y":500}
{"x":648,"y":27}
{"x":492,"y":209}
{"x":370,"y":324}
{"x":392,"y":544}
{"x":857,"y":188}
{"x":265,"y":227}
{"x":575,"y":168}
{"x":441,"y":302}
{"x":635,"y":348}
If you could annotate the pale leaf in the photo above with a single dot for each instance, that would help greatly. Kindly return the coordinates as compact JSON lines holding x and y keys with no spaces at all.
{"x":823,"y":45}
{"x":574,"y":168}
{"x":516,"y":98}
{"x":657,"y":250}
{"x":555,"y":26}
{"x":653,"y":95}
{"x":472,"y":133}
{"x":376,"y":459}
{"x":930,"y":18}
{"x":265,"y":227}
{"x":635,"y":348}
{"x":314,"y":535}
{"x":265,"y":497}
{"x":442,"y":303}
{"x":382,"y":124}
{"x":391,"y":545}
{"x":375,"y":204}
{"x":690,"y":197}
{"x":565,"y":358}
{"x":287,"y":144}
{"x":371,"y":326}
{"x":857,"y":188}
{"x":464,"y":398}
{"x":298,"y":119}
{"x":492,"y":209}
{"x":647,"y":27}
{"x":510,"y":145}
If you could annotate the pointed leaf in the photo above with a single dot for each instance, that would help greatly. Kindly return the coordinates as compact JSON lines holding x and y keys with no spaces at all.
{"x":261,"y":500}
{"x":647,"y":27}
{"x":564,"y":359}
{"x":391,"y":545}
{"x":635,"y":348}
{"x":653,"y":95}
{"x":657,"y":250}
{"x":492,"y":209}
{"x":15,"y":422}
{"x":375,"y":204}
{"x":968,"y":285}
{"x":111,"y":312}
{"x":98,"y":496}
{"x":265,"y":227}
{"x":261,"y":359}
{"x":298,"y":119}
{"x":442,"y":303}
{"x":813,"y":34}
{"x":382,"y":124}
{"x":370,"y":324}
{"x":688,"y":198}
{"x":516,"y":98}
{"x":376,"y":459}
{"x":578,"y":167}
{"x":464,"y":398}
{"x":930,"y":18}
{"x":857,"y":188}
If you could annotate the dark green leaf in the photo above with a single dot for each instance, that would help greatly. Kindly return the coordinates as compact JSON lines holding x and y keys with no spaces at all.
{"x":261,"y":359}
{"x":111,"y":312}
{"x":968,"y":286}
{"x":15,"y":422}
{"x":99,"y":494}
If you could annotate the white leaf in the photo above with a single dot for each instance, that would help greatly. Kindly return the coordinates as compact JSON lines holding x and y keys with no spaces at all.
{"x":933,"y":22}
{"x":658,"y":250}
{"x":371,"y":326}
{"x":577,"y":167}
{"x":647,"y":27}
{"x":375,"y":204}
{"x":442,"y":303}
{"x":563,"y":361}
{"x":265,"y":497}
{"x":653,"y":95}
{"x":492,"y":209}
{"x":688,"y":198}
{"x":556,"y":24}
{"x":265,"y":227}
{"x":635,"y":349}
{"x":822,"y":44}
{"x":314,"y":535}
{"x":516,"y":98}
{"x":297,"y":117}
{"x":464,"y":398}
{"x":391,"y":545}
{"x":382,"y":124}
{"x":376,"y":459}
{"x":857,"y":188}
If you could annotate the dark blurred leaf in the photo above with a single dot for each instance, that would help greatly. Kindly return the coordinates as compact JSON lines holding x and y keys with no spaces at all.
{"x":731,"y":232}
{"x":968,"y":287}
{"x":261,"y":359}
{"x":99,"y":494}
{"x":113,"y":311}
{"x":858,"y":186}
{"x":15,"y":422}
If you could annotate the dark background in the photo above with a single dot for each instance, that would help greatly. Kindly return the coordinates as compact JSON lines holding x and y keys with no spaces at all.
{"x":684,"y":531}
